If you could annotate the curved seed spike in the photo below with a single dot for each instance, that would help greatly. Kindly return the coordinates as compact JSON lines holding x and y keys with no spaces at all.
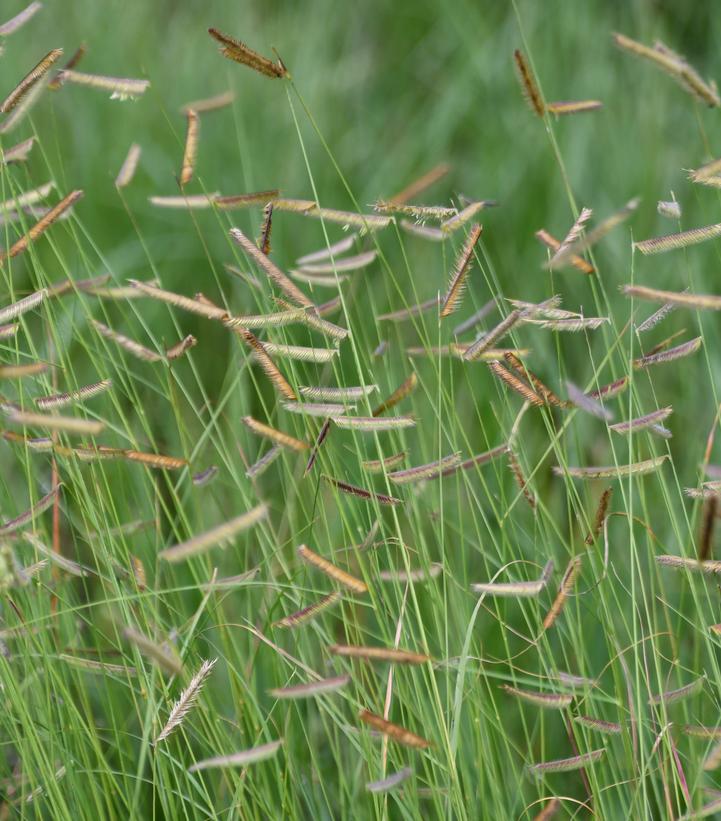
{"x":221,"y":533}
{"x":30,"y":79}
{"x":330,"y":570}
{"x":528,"y":84}
{"x":191,"y":147}
{"x":394,"y":731}
{"x":289,"y":288}
{"x":460,"y":272}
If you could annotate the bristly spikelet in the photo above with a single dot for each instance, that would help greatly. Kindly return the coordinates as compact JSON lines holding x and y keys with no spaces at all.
{"x":331,"y":394}
{"x":649,"y":420}
{"x":180,"y":348}
{"x":461,"y":269}
{"x":312,"y":688}
{"x":235,"y":50}
{"x":707,"y":528}
{"x":289,"y":288}
{"x":267,"y":364}
{"x":393,"y":655}
{"x":612,"y":471}
{"x":354,"y":263}
{"x":374,"y":423}
{"x":551,"y":242}
{"x":656,"y":317}
{"x":521,"y":480}
{"x":240,"y":759}
{"x":330,"y":570}
{"x":679,"y":694}
{"x":421,"y":184}
{"x":600,"y":516}
{"x":18,"y":371}
{"x":411,"y":576}
{"x":59,"y":399}
{"x":528,"y":84}
{"x":129,"y":166}
{"x":120,"y":88}
{"x":394,"y":731}
{"x":137,"y":568}
{"x":217,"y":535}
{"x":329,"y":252}
{"x":564,"y":765}
{"x":154,"y":460}
{"x":206,"y":476}
{"x":207,"y":104}
{"x":17,"y":153}
{"x":191,"y":147}
{"x":19,"y":20}
{"x":44,"y":223}
{"x":551,"y":701}
{"x":277,"y":436}
{"x":187,"y":700}
{"x":516,"y":589}
{"x":539,"y":387}
{"x":549,"y":810}
{"x":420,"y":213}
{"x":30,"y":79}
{"x":160,"y":654}
{"x":22,"y":306}
{"x":464,"y":216}
{"x":433,"y":470}
{"x":300,"y":352}
{"x":322,"y":436}
{"x":669,"y":208}
{"x":58,"y":80}
{"x":672,"y":299}
{"x":656,"y":245}
{"x":69,"y":424}
{"x":185,"y":201}
{"x":300,"y":617}
{"x":265,"y":461}
{"x":573,"y":325}
{"x":30,"y":515}
{"x":390,"y":782}
{"x":265,"y":231}
{"x":424,"y":231}
{"x":362,"y":493}
{"x":410,"y":312}
{"x":479,"y":459}
{"x":277,"y":320}
{"x":562,"y":107}
{"x":489,"y":339}
{"x":674,"y":65}
{"x":670,"y":355}
{"x":381,"y":465}
{"x":365,"y":223}
{"x":135,"y":348}
{"x":236,"y":201}
{"x":612,"y":389}
{"x":567,"y":584}
{"x":398,"y":395}
{"x":516,"y":384}
{"x":317,"y":409}
{"x":589,"y":404}
{"x":573,"y":234}
{"x":599,"y":232}
{"x":601,"y":726}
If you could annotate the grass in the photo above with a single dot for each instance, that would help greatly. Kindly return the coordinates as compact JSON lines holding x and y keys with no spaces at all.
{"x":378,"y":96}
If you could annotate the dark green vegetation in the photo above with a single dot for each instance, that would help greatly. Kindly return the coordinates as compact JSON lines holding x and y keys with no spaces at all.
{"x":380,"y":93}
